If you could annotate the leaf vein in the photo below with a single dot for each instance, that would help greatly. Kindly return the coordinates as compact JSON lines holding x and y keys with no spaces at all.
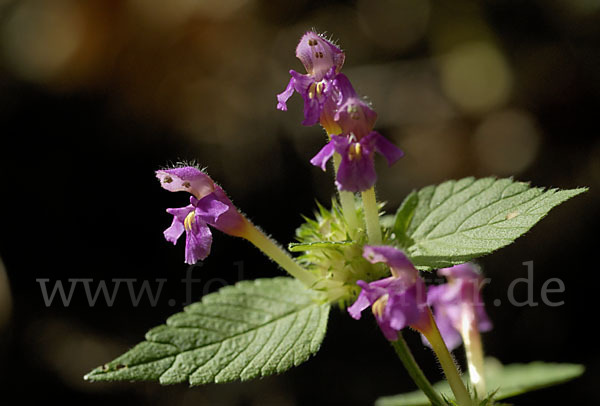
{"x":434,"y":210}
{"x":481,"y":225}
{"x":291,"y":347}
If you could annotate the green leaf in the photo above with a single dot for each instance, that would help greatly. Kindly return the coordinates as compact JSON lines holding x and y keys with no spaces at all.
{"x":507,"y":381}
{"x":252,"y":329}
{"x":404,"y":216}
{"x":459,"y":220}
{"x":298,"y":247}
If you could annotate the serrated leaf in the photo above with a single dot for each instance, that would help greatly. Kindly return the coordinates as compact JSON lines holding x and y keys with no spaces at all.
{"x":508,"y":381}
{"x":459,"y":220}
{"x":252,"y":329}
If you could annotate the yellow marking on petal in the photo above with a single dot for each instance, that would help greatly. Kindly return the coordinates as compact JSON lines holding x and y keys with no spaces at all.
{"x":311,"y":90}
{"x":167,"y":179}
{"x":320,"y":87}
{"x":379,"y":306}
{"x":189,"y":221}
{"x":354,"y":151}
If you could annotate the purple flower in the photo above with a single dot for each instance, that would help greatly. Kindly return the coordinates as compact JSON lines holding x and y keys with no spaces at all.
{"x":458,"y":302}
{"x":357,"y":169}
{"x":208,"y":205}
{"x":322,"y":61}
{"x":353,"y":115}
{"x":357,"y":142}
{"x":397,"y":301}
{"x":319,"y":55}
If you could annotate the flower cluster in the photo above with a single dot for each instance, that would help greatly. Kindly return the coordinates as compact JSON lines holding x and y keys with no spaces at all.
{"x":403,"y":300}
{"x":330,"y":99}
{"x":337,"y":264}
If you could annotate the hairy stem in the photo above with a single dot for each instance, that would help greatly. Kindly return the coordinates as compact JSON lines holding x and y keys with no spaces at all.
{"x":447,"y":362}
{"x":347,"y":202}
{"x":415,"y":371}
{"x":372,"y":216}
{"x":473,"y":349}
{"x":271,"y":249}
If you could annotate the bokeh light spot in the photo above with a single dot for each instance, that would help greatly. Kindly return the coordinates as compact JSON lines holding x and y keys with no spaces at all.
{"x":476,"y":77}
{"x":506,"y":142}
{"x":39,"y":38}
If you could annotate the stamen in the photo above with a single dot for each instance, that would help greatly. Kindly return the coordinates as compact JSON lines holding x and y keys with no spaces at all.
{"x":189,"y":221}
{"x":354,"y":151}
{"x":379,"y":306}
{"x":311,"y":91}
{"x":320,"y":87}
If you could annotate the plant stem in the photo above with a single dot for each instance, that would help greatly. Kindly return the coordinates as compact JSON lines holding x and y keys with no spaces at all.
{"x":415,"y":371}
{"x":347,"y":201}
{"x":448,"y":365}
{"x":473,"y":349}
{"x":271,"y":249}
{"x":372,"y":216}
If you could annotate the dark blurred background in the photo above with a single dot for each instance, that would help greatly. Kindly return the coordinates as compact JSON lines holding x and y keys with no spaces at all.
{"x":96,"y":95}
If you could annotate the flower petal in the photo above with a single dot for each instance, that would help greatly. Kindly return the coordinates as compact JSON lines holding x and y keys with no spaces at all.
{"x":389,"y":151}
{"x":397,"y":302}
{"x":181,"y":213}
{"x":353,"y":115}
{"x":356,"y":176}
{"x":318,"y":55}
{"x":283,"y":97}
{"x":399,"y":263}
{"x":456,"y":300}
{"x":186,"y":179}
{"x":356,"y":171}
{"x":463,"y":271}
{"x":323,"y":155}
{"x":344,"y":87}
{"x":210,"y":208}
{"x":359,"y":305}
{"x":390,"y":332}
{"x":483,"y":321}
{"x":173,"y":233}
{"x":306,"y":85}
{"x":403,"y":308}
{"x":231,"y":222}
{"x":198,"y":242}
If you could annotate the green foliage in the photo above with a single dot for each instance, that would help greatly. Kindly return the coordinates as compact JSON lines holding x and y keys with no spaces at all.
{"x":503,"y":382}
{"x":299,"y":247}
{"x":403,"y":219}
{"x":459,"y":220}
{"x":252,"y":329}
